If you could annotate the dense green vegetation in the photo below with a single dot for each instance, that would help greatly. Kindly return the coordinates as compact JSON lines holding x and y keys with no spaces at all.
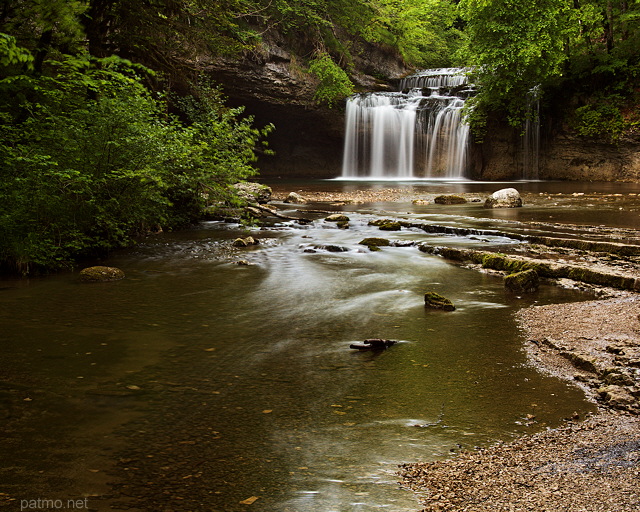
{"x":108,"y":130}
{"x":583,"y":54}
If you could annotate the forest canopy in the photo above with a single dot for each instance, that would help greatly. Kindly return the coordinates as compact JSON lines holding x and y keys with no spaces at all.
{"x":108,"y":129}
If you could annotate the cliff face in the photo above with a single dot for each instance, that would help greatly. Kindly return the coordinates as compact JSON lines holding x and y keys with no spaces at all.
{"x":275,"y":87}
{"x":562,"y":156}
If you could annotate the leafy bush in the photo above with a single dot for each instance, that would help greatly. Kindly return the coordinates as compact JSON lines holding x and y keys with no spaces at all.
{"x":600,"y":120}
{"x":334,"y":83}
{"x":89,"y":159}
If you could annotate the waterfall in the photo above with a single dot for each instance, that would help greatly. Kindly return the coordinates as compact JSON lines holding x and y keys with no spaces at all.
{"x":417,"y":132}
{"x":531,"y":137}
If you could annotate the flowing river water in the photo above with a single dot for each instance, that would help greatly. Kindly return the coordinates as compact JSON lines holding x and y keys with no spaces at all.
{"x":200,"y":384}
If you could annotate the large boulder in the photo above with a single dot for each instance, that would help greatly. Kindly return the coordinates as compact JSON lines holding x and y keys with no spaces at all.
{"x":100,"y":274}
{"x":504,"y":198}
{"x":253,"y":192}
{"x":295,"y":198}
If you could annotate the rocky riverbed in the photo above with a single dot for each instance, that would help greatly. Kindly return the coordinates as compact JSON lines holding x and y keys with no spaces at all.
{"x":588,"y":464}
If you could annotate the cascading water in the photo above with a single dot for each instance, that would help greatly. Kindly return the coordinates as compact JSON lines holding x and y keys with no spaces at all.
{"x":418,"y":132}
{"x":531,"y":138}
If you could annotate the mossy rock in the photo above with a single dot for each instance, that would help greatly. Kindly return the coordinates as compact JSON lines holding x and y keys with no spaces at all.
{"x":253,"y":192}
{"x":337,"y":217}
{"x":100,"y":274}
{"x":391,"y":226}
{"x":526,"y":281}
{"x":449,"y":199}
{"x":374,"y":243}
{"x":436,"y":301}
{"x":379,"y":222}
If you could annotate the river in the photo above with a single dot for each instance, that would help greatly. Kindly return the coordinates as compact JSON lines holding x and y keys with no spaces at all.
{"x":198,"y":383}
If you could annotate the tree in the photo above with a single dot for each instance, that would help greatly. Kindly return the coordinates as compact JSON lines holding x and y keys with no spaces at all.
{"x":423,"y":30}
{"x":514,"y":46}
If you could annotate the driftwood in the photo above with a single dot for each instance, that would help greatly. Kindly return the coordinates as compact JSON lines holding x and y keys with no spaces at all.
{"x":269,"y":211}
{"x":373,"y":344}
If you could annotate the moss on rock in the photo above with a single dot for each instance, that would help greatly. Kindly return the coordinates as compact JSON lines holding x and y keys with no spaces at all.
{"x":436,"y":301}
{"x":449,"y":199}
{"x":526,"y":281}
{"x":374,"y":243}
{"x":100,"y":274}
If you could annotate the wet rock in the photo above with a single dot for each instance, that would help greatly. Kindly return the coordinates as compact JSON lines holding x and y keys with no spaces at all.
{"x":420,"y":202}
{"x":373,"y":344}
{"x":330,"y":248}
{"x":374,"y":243}
{"x":337,"y":217}
{"x":526,"y":281}
{"x":581,"y":361}
{"x":386,"y":224}
{"x":504,"y":198}
{"x":295,"y":198}
{"x":391,"y":226}
{"x":436,"y":301}
{"x":253,"y":192}
{"x":449,"y":199}
{"x":100,"y":274}
{"x":245,"y":242}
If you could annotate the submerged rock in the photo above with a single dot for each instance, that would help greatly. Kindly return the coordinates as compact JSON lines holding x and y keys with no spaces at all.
{"x":373,"y":344}
{"x":449,"y":199}
{"x":436,"y":301}
{"x":100,"y":274}
{"x":526,"y":281}
{"x":504,"y":198}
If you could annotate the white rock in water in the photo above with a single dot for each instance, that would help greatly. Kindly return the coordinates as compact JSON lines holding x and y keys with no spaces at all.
{"x":295,"y":198}
{"x":504,"y":198}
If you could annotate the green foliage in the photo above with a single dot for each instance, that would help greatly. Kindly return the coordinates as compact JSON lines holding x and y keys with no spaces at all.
{"x":334,"y":83}
{"x":89,"y":159}
{"x":602,"y":120}
{"x":422,"y":30}
{"x":515,"y":45}
{"x":12,"y":55}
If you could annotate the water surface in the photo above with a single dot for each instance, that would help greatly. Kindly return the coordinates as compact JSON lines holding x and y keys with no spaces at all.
{"x":197,"y":383}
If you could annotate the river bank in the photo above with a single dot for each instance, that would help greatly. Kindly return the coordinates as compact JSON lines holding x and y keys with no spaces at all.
{"x":589,"y":464}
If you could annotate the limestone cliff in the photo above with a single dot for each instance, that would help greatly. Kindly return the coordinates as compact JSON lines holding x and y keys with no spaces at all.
{"x":273,"y":83}
{"x":563,"y":155}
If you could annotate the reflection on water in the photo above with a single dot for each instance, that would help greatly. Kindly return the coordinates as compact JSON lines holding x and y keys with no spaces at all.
{"x":199,"y":384}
